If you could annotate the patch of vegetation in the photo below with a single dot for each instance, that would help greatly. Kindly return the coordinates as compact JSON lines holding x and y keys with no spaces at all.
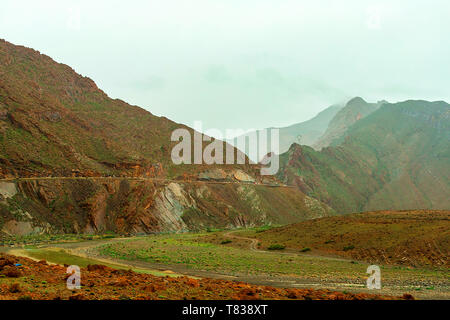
{"x":305,"y":249}
{"x":349,"y":247}
{"x":190,"y":251}
{"x":30,"y":241}
{"x":263,"y":228}
{"x":276,"y":246}
{"x":227,"y":241}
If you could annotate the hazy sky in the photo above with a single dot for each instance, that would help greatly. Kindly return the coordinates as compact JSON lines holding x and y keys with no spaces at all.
{"x":243,"y":63}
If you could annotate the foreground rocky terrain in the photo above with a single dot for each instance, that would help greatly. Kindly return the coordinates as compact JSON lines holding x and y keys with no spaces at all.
{"x":39,"y":280}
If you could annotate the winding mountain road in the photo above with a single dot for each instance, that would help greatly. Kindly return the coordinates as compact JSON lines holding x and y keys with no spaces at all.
{"x":163,"y":180}
{"x":253,"y":242}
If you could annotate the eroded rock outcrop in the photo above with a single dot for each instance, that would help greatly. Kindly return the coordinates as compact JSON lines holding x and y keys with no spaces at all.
{"x":126,"y":206}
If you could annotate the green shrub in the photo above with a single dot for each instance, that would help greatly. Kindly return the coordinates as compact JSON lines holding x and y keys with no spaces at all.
{"x":305,"y":249}
{"x":276,"y":247}
{"x":350,"y":247}
{"x":226,"y":241}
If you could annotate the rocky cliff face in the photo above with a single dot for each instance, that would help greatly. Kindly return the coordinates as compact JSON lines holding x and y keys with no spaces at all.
{"x":97,"y":205}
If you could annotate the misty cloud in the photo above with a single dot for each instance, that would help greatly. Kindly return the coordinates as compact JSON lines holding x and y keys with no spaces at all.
{"x":243,"y":64}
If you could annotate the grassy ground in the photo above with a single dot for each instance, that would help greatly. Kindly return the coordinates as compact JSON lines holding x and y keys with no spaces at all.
{"x":204,"y":252}
{"x":39,"y":239}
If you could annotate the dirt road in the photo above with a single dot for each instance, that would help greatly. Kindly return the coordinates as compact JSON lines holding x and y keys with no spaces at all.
{"x":253,"y":243}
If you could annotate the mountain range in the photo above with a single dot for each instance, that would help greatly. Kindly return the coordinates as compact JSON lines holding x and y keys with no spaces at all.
{"x":74,"y":160}
{"x":396,"y":157}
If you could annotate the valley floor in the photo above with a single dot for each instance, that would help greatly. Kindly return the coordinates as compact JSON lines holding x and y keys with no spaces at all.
{"x":27,"y":279}
{"x":229,"y":255}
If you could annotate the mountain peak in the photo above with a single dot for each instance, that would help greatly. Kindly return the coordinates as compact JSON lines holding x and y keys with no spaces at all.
{"x":294,"y":146}
{"x":356,"y":101}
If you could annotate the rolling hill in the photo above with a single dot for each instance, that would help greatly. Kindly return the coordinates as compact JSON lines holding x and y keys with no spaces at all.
{"x":413,"y":238}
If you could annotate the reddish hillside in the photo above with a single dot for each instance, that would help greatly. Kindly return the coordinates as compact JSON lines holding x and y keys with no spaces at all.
{"x":54,"y":121}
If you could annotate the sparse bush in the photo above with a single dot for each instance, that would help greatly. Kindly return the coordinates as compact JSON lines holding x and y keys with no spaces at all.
{"x":305,"y":249}
{"x":276,"y":247}
{"x":11,"y":272}
{"x":226,"y":241}
{"x":350,"y":247}
{"x":14,"y":288}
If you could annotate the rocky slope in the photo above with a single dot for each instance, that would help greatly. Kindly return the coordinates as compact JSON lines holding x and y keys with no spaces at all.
{"x":395,"y":158}
{"x":354,"y":110}
{"x":57,"y":123}
{"x":54,"y":121}
{"x":97,"y":205}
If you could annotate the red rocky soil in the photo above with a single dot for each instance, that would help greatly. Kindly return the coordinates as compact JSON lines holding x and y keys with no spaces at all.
{"x":39,"y":280}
